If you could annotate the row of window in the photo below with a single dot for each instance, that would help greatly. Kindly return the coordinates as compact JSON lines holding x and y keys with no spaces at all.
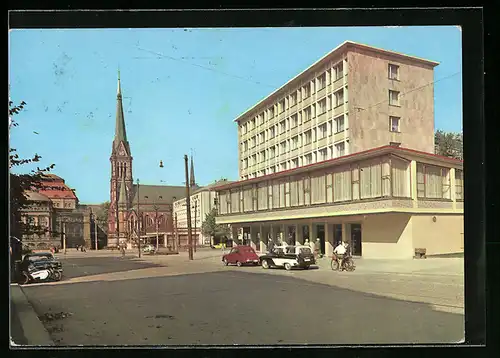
{"x":320,"y":82}
{"x":368,"y":180}
{"x":320,"y":155}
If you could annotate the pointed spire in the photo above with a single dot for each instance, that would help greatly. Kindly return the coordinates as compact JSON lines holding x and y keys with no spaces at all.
{"x":120,"y":132}
{"x":122,"y":199}
{"x":192,"y":182}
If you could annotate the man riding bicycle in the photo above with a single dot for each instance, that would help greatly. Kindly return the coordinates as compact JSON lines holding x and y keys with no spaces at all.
{"x":340,"y":252}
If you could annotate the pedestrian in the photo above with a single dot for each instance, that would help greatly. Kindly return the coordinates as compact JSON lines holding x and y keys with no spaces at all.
{"x":317,"y":248}
{"x":270,"y":246}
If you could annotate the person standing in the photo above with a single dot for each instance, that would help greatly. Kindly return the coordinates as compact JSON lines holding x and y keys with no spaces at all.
{"x":317,"y":249}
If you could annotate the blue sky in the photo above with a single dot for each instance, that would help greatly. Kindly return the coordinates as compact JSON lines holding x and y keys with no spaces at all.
{"x":182,"y":90}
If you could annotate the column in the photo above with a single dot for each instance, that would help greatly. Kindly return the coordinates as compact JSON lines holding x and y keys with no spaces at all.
{"x":313,"y":229}
{"x":234,"y":234}
{"x":253,"y":236}
{"x":453,"y":192}
{"x":164,"y":240}
{"x":299,"y":235}
{"x":329,"y":239}
{"x":346,"y":232}
{"x":263,"y":238}
{"x":413,"y":183}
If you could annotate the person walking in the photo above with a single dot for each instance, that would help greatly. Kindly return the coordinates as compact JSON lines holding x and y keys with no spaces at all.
{"x":317,"y":249}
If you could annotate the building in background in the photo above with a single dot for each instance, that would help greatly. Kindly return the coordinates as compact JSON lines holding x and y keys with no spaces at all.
{"x":345,"y":151}
{"x":55,"y":208}
{"x":354,"y":98}
{"x":136,"y":210}
{"x":203,"y":200}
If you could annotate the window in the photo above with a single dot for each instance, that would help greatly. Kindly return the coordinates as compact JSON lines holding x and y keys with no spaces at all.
{"x":322,"y":131}
{"x":281,"y":106}
{"x":308,"y":159}
{"x":295,"y":163}
{"x":272,"y":152}
{"x":295,"y":121}
{"x":339,"y":71}
{"x":293,"y":99}
{"x":307,"y":114}
{"x":295,"y":142}
{"x":261,"y":137}
{"x":394,"y":124}
{"x":254,"y":159}
{"x":244,"y":128}
{"x":432,"y":182}
{"x":245,"y":163}
{"x":322,"y":81}
{"x":271,"y":132}
{"x":282,"y":127}
{"x":253,"y":123}
{"x":393,"y":72}
{"x":322,"y":106}
{"x":262,"y":156}
{"x":245,"y":145}
{"x":254,"y":142}
{"x":283,"y":147}
{"x":271,"y":112}
{"x":322,"y":154}
{"x":459,"y":184}
{"x":273,"y":169}
{"x":261,"y":118}
{"x":307,"y":137}
{"x":339,"y":124}
{"x":393,"y":98}
{"x":339,"y":98}
{"x":307,"y":90}
{"x":340,"y":148}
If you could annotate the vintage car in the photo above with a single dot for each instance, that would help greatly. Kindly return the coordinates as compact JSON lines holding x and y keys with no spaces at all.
{"x":288,"y":257}
{"x":41,"y":261}
{"x":241,"y":255}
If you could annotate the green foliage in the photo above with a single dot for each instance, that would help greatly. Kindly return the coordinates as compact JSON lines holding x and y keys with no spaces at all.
{"x":449,"y":144}
{"x":102,"y":213}
{"x":211,"y":228}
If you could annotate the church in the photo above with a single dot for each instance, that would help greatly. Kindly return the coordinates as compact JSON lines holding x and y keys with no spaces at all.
{"x":138,"y":210}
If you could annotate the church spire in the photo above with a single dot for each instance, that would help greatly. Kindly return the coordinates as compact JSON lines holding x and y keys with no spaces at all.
{"x":120,"y":132}
{"x":192,"y":181}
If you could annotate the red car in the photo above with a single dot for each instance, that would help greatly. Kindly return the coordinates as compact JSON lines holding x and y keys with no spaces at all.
{"x":241,"y":255}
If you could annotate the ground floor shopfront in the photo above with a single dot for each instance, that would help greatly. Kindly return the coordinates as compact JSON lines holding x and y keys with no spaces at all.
{"x":380,"y":235}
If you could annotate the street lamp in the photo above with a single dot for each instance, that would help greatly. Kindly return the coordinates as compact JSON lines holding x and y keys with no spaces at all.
{"x":195,"y":207}
{"x":138,"y":219}
{"x":62,"y":220}
{"x":94,"y":216}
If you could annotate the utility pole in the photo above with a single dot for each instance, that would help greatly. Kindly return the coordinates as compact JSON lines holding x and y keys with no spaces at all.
{"x":64,"y":236}
{"x":195,"y":223}
{"x":188,"y":209}
{"x":138,"y":220}
{"x":177,"y":234}
{"x":156,"y":222}
{"x":95,"y":232}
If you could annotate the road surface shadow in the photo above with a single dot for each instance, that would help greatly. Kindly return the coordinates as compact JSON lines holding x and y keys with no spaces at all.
{"x":225,"y":308}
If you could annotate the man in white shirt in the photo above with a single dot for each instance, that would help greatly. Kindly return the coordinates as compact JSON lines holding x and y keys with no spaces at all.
{"x":340,"y":251}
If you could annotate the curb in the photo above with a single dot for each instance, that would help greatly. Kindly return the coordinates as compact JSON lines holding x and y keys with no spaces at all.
{"x":34,"y":331}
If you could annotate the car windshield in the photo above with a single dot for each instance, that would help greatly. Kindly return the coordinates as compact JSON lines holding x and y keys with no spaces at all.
{"x":290,"y":250}
{"x":305,"y":250}
{"x":39,"y":258}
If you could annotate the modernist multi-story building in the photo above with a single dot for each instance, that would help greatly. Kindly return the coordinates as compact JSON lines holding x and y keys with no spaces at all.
{"x":345,"y":151}
{"x":202,"y":200}
{"x":355,"y":98}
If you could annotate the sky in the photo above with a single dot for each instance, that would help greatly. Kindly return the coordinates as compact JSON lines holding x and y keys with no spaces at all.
{"x":182,"y":89}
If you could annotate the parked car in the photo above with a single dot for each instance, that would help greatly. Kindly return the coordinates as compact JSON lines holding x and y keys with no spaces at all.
{"x":40,"y":266}
{"x":288,"y":257}
{"x":241,"y":255}
{"x":149,"y":249}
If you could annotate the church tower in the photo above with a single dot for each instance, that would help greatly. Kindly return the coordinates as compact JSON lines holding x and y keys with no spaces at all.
{"x":121,"y":173}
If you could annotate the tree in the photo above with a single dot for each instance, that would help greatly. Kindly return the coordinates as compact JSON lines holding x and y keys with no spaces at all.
{"x":211,"y":228}
{"x":20,"y":184}
{"x":102,"y":213}
{"x":448,"y":144}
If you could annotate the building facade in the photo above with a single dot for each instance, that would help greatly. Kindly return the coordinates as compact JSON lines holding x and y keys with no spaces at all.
{"x":55,"y":209}
{"x":355,"y":98}
{"x":136,"y":210}
{"x":344,"y":151}
{"x":203,"y":200}
{"x":386,"y":202}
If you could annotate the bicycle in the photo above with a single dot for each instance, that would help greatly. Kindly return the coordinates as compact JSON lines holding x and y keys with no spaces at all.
{"x":347,"y":263}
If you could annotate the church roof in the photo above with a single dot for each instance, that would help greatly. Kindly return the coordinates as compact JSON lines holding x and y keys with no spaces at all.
{"x":122,"y":199}
{"x":158,"y":194}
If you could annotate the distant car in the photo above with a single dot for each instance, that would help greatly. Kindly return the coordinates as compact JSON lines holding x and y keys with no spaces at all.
{"x":288,"y":257}
{"x":149,"y":249}
{"x":42,"y":260}
{"x":241,"y":255}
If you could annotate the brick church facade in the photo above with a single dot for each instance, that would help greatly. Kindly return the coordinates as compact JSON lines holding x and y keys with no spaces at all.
{"x":137,"y":210}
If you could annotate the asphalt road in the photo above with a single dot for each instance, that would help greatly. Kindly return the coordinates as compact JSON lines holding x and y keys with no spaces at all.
{"x":227,"y":307}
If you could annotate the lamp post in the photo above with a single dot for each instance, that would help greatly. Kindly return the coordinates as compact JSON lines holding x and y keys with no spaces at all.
{"x":138,"y":219}
{"x":188,"y":207}
{"x":195,"y":222}
{"x":95,"y":231}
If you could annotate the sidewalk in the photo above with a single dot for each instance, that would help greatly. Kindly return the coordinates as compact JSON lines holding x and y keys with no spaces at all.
{"x":26,"y":328}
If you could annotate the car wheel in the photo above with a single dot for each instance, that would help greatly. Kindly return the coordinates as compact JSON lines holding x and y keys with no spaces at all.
{"x":265,"y":264}
{"x":335,"y":265}
{"x":288,"y":267}
{"x":225,"y":262}
{"x":57,"y":275}
{"x":238,"y":263}
{"x":306,"y":267}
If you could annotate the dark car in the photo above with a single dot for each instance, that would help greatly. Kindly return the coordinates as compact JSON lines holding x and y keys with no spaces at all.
{"x":241,"y":255}
{"x":288,"y":257}
{"x":41,"y":260}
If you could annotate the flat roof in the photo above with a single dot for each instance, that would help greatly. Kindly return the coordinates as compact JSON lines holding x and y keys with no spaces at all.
{"x":339,"y":49}
{"x":349,"y":158}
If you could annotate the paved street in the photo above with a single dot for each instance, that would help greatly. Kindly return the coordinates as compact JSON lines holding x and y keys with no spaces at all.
{"x":168,"y":300}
